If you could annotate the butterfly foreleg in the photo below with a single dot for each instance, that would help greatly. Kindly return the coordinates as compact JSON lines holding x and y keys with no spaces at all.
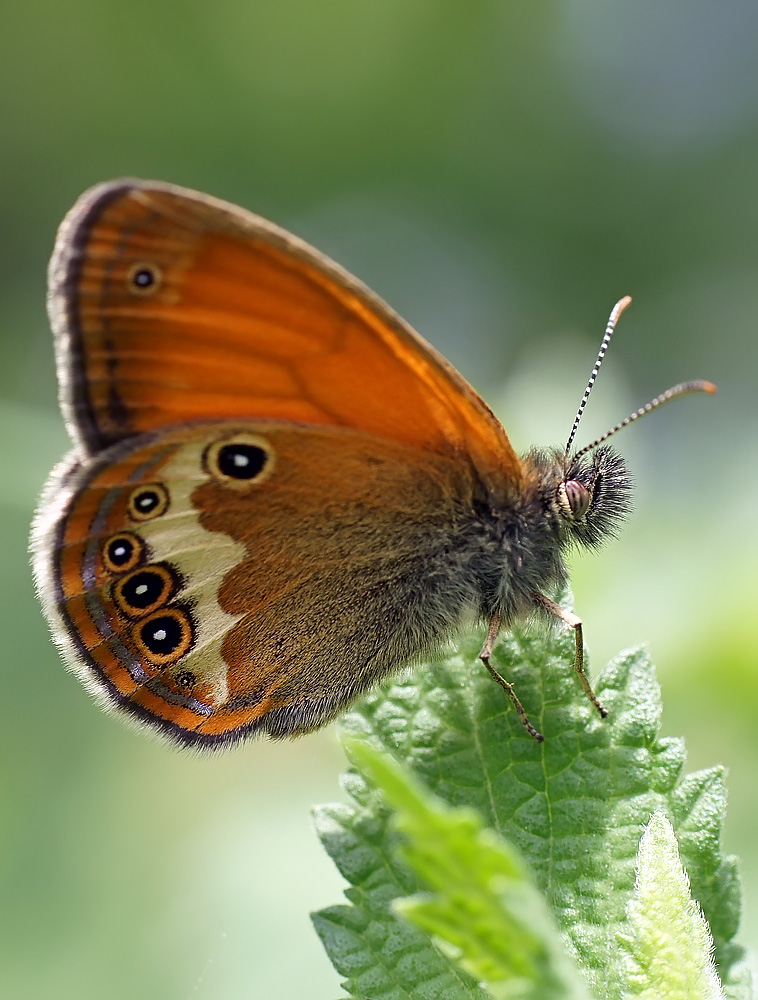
{"x":484,"y":656}
{"x":574,"y":622}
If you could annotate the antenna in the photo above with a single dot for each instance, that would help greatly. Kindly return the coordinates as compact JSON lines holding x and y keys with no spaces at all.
{"x":609,"y":328}
{"x":682,"y":389}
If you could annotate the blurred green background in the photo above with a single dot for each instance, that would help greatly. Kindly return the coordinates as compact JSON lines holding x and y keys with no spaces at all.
{"x":501,"y":173}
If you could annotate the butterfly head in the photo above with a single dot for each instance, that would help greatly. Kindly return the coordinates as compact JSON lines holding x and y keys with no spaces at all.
{"x":577,"y":500}
{"x":592,"y":497}
{"x":563,"y":501}
{"x":578,"y":497}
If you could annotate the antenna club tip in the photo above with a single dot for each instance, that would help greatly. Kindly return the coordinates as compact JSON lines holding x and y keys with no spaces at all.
{"x":618,"y":309}
{"x":709,"y":387}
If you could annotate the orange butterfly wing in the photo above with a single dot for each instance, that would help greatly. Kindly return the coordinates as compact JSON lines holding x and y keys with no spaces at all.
{"x":212,"y":607}
{"x":169,"y":306}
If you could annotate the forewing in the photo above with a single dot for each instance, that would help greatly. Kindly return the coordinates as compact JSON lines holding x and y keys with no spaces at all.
{"x":170,"y":306}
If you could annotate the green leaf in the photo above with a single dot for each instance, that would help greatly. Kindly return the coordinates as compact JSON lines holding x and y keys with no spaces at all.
{"x":574,"y":807}
{"x":669,"y":947}
{"x":484,"y":902}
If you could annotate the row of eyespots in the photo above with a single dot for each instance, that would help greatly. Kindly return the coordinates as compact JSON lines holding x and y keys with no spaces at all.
{"x":163,"y":634}
{"x":125,"y":550}
{"x":141,"y":592}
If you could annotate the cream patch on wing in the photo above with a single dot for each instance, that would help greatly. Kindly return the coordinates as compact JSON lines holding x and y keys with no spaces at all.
{"x":202,"y":558}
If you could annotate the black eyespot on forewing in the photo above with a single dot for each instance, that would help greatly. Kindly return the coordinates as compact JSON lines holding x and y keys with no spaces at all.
{"x":144,"y":279}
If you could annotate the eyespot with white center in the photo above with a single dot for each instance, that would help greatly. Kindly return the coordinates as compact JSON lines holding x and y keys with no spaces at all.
{"x":144,"y":278}
{"x":122,"y":552}
{"x":165,"y":636}
{"x":240,"y":460}
{"x":186,"y":679}
{"x":144,"y":590}
{"x":147,"y":502}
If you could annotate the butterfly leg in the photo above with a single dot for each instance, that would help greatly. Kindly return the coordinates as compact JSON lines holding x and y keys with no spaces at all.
{"x":484,"y":656}
{"x":574,"y":622}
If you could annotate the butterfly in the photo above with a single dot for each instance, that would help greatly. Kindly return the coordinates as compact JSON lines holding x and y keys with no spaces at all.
{"x":278,"y":493}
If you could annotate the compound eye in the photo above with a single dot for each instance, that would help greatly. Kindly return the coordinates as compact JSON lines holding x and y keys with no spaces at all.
{"x":573,"y":499}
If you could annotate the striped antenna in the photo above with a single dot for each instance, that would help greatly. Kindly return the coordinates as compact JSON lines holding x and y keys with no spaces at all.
{"x":610,"y":327}
{"x":682,"y":389}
